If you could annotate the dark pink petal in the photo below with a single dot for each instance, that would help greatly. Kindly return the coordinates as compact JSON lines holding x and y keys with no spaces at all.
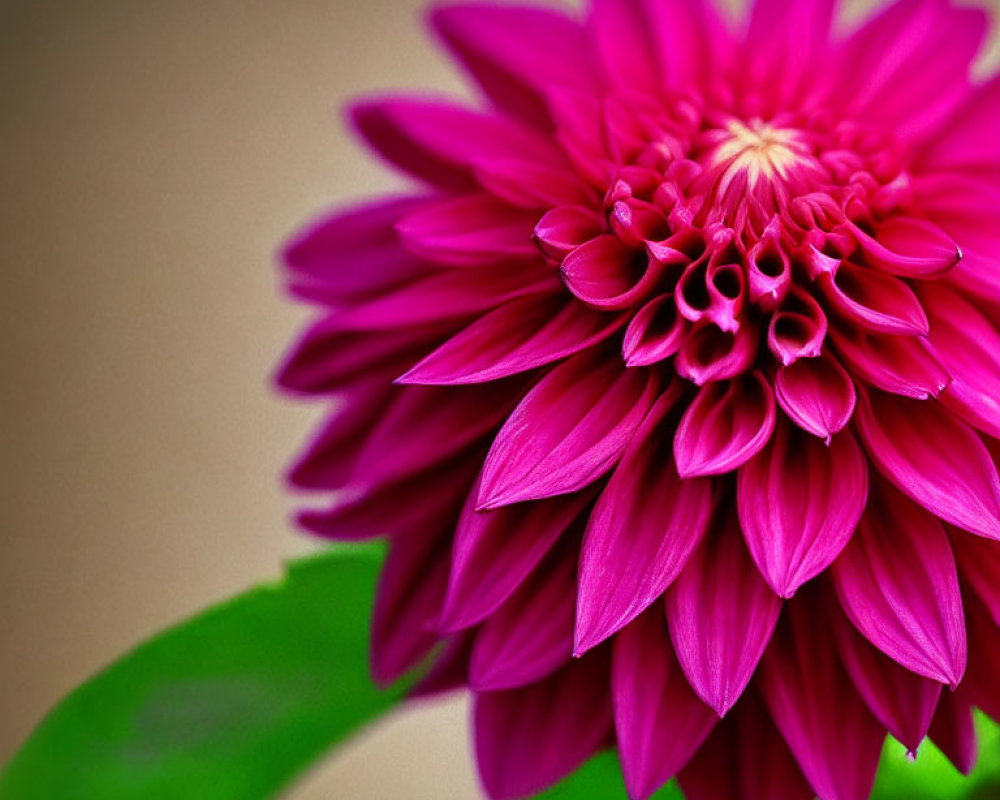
{"x":624,"y":40}
{"x":967,"y":344}
{"x":438,"y":141}
{"x":527,"y":184}
{"x":519,"y":336}
{"x":642,"y":530}
{"x":910,"y":247}
{"x":708,"y":353}
{"x":531,"y":634}
{"x":529,"y":738}
{"x":327,"y":257}
{"x":817,"y":394}
{"x":408,"y":600}
{"x":565,"y":228}
{"x":654,"y":333}
{"x":540,"y":454}
{"x":426,"y":425}
{"x":979,"y":562}
{"x":449,"y":294}
{"x":517,"y":53}
{"x":954,"y":731}
{"x":966,"y":141}
{"x":799,"y":502}
{"x":745,"y":758}
{"x":659,"y":720}
{"x":606,"y":274}
{"x":449,"y":671}
{"x":898,"y":584}
{"x":897,"y":364}
{"x":469,"y":230}
{"x":721,"y":615}
{"x":980,"y":683}
{"x":798,"y":329}
{"x":933,"y":458}
{"x":874,"y":300}
{"x":769,"y":272}
{"x":725,"y":426}
{"x":494,"y":551}
{"x":833,"y":736}
{"x":901,"y":700}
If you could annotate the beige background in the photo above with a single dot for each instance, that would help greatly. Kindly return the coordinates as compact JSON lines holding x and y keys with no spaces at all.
{"x":153,"y":153}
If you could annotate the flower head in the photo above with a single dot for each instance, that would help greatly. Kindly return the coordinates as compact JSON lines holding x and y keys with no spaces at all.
{"x":674,"y":387}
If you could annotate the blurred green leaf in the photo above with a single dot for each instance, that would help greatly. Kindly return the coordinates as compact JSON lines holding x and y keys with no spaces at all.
{"x":229,"y":705}
{"x":601,"y":779}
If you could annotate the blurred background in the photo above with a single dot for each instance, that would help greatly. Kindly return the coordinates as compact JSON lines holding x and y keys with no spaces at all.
{"x":153,"y":155}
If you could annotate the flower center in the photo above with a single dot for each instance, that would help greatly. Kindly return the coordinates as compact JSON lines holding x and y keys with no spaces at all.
{"x":758,"y":149}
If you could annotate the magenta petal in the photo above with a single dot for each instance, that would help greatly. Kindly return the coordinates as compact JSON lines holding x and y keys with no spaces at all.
{"x":708,"y":353}
{"x":979,"y":562}
{"x":515,"y":53}
{"x":817,"y":394}
{"x":898,"y":583}
{"x":540,"y":454}
{"x":659,"y":720}
{"x":654,"y":333}
{"x":721,"y":615}
{"x":622,"y":33}
{"x":912,"y":248}
{"x":531,"y":634}
{"x":527,"y":184}
{"x":901,"y":700}
{"x":967,"y":344}
{"x":745,"y":758}
{"x":725,"y":426}
{"x":529,"y":738}
{"x":606,"y":274}
{"x":954,"y":731}
{"x":874,"y":300}
{"x":896,"y":364}
{"x":494,"y":552}
{"x":799,"y":503}
{"x":642,"y":530}
{"x":833,"y":736}
{"x":518,"y":336}
{"x":798,"y":329}
{"x":967,"y":141}
{"x":565,"y":228}
{"x":933,"y":458}
{"x":984,"y":659}
{"x":469,"y":230}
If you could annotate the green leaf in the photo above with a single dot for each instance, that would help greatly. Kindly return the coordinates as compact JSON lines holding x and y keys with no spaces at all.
{"x":229,"y":705}
{"x":601,"y":779}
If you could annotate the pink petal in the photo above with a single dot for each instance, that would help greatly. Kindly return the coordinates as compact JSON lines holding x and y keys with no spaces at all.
{"x":710,"y":354}
{"x":966,"y":141}
{"x":721,"y":615}
{"x":902,"y":701}
{"x":606,"y":274}
{"x":980,"y":684}
{"x":520,"y":335}
{"x":745,"y":758}
{"x":529,"y":738}
{"x":874,"y":300}
{"x":565,"y":228}
{"x":769,"y":272}
{"x":438,"y":141}
{"x":495,"y":551}
{"x":954,"y":732}
{"x":799,"y":503}
{"x":540,"y":454}
{"x":725,"y":426}
{"x":659,"y":720}
{"x":642,"y":530}
{"x":530,"y":185}
{"x":979,"y":563}
{"x":469,"y":230}
{"x":910,"y":247}
{"x":934,"y":459}
{"x":817,"y":394}
{"x":835,"y":739}
{"x":449,"y":671}
{"x":898,"y":584}
{"x":968,"y":346}
{"x":798,"y":329}
{"x":654,"y":333}
{"x":531,"y":634}
{"x":897,"y":364}
{"x":516,"y":53}
{"x":624,"y":42}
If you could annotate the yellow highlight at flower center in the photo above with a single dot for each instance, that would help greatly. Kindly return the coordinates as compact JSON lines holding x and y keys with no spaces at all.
{"x":759,"y":150}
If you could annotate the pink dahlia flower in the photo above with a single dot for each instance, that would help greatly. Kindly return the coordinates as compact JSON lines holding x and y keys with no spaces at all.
{"x":674,"y":385}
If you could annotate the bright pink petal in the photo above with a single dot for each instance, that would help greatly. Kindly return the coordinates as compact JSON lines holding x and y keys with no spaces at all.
{"x":540,"y":454}
{"x":708,"y":353}
{"x":901,"y":700}
{"x":642,"y":530}
{"x":520,"y":335}
{"x":721,"y":615}
{"x":654,"y":333}
{"x":531,"y":634}
{"x":835,"y":739}
{"x":898,"y":583}
{"x":799,"y":503}
{"x":874,"y":300}
{"x":798,"y":329}
{"x":659,"y":720}
{"x":725,"y":426}
{"x":910,"y":247}
{"x":605,"y":273}
{"x":933,"y":458}
{"x":494,"y":552}
{"x":966,"y":141}
{"x":817,"y":394}
{"x":529,"y":738}
{"x":625,"y":43}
